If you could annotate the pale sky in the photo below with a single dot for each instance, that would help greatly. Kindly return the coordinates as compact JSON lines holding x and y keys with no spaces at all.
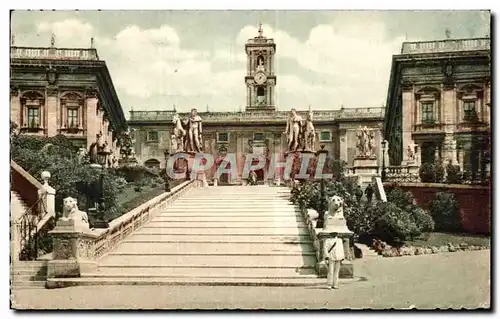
{"x":196,"y":58}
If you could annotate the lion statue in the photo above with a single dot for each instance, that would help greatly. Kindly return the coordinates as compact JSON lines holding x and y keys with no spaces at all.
{"x":71,"y":212}
{"x":336,"y":207}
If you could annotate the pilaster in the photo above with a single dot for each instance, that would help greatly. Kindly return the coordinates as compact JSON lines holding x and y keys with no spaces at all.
{"x":92,"y":119}
{"x":52,"y":107}
{"x":407,"y":105}
{"x":15,"y":105}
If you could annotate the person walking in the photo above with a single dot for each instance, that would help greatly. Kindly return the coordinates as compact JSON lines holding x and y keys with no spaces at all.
{"x":369,"y":193}
{"x":334,"y":252}
{"x":358,"y":193}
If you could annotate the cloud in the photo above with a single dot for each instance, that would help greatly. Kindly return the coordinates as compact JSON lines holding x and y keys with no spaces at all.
{"x":350,"y":62}
{"x":334,"y":66}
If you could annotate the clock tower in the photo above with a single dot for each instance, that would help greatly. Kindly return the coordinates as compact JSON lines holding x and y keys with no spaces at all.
{"x":260,"y":78}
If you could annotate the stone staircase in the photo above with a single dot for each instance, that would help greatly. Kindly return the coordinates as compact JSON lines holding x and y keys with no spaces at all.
{"x":28,"y":274}
{"x":232,"y":235}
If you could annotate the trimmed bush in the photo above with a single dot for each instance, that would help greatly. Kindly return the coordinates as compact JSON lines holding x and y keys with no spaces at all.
{"x":431,"y":173}
{"x":446,"y":213}
{"x":453,"y":174}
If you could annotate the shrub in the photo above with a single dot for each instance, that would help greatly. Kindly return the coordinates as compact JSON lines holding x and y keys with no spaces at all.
{"x":431,"y":173}
{"x":69,"y":175}
{"x":138,"y":189}
{"x":135,"y":173}
{"x":154,"y":185}
{"x":445,"y":212}
{"x":401,"y":199}
{"x":453,"y":174}
{"x":395,"y":224}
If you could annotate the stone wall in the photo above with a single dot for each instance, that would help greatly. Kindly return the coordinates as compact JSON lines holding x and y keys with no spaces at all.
{"x":474,"y":202}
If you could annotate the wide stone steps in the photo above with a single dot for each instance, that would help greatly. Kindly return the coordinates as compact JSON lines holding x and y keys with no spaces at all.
{"x":204,"y":272}
{"x":158,"y":230}
{"x":28,"y":274}
{"x":196,"y":260}
{"x":231,"y":218}
{"x":183,"y":281}
{"x":216,"y":238}
{"x":214,"y":248}
{"x":217,"y":235}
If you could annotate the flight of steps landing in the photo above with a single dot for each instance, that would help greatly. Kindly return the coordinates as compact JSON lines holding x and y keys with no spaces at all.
{"x":232,"y":235}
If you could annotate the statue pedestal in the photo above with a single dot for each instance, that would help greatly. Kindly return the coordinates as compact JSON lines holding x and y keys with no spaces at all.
{"x":298,"y":158}
{"x":366,"y":167}
{"x":336,"y":229}
{"x":73,"y":252}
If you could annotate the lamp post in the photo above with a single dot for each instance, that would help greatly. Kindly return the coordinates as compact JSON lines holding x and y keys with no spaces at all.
{"x":167,"y":184}
{"x":322,"y":203}
{"x":102,"y":155}
{"x":383,"y":160}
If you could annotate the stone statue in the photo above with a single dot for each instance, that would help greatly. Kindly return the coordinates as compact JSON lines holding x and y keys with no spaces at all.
{"x":126,"y":143}
{"x":365,"y":144}
{"x":293,"y":126}
{"x":336,"y":207}
{"x":194,"y":140}
{"x":178,"y":138}
{"x":71,"y":212}
{"x":411,"y":152}
{"x":308,"y":133}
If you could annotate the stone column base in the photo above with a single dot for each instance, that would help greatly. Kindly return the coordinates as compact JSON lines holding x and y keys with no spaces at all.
{"x":346,"y":269}
{"x":71,"y":268}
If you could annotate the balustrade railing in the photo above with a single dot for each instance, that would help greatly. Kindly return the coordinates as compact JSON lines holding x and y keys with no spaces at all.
{"x":375,"y":112}
{"x":53,"y":53}
{"x":448,"y":45}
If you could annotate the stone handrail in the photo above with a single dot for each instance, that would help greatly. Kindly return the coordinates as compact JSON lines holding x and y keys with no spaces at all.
{"x":448,"y":45}
{"x":101,"y":241}
{"x":260,"y":116}
{"x":53,"y":53}
{"x":77,"y":251}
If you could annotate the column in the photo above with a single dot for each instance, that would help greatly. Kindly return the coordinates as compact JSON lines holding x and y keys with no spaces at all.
{"x":407,"y":121}
{"x":52,"y":111}
{"x":249,"y":95}
{"x":92,"y":125}
{"x":343,"y":145}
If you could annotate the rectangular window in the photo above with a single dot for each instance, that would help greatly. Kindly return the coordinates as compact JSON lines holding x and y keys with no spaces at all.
{"x":258,"y":137}
{"x":428,"y":113}
{"x":222,"y":137}
{"x":152,"y":136}
{"x":470,"y":111}
{"x":325,"y":136}
{"x":72,"y":118}
{"x":33,"y":117}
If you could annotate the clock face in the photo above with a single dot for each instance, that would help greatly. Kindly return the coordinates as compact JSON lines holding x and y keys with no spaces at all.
{"x":260,"y":78}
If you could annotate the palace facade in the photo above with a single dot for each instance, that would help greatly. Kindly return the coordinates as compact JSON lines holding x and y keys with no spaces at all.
{"x":64,"y":91}
{"x":260,"y":128}
{"x":439,"y":102}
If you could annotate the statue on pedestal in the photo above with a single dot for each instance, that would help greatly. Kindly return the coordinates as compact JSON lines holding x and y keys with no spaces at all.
{"x":308,"y":133}
{"x":293,"y":128}
{"x":194,"y":135}
{"x":71,"y":212}
{"x":365,"y":144}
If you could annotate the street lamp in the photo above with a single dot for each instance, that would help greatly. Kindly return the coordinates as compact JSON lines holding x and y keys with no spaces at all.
{"x":99,"y":209}
{"x":384,"y":142}
{"x":322,"y":203}
{"x":167,"y":184}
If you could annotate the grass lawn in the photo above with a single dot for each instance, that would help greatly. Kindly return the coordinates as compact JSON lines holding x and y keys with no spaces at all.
{"x":130,"y":199}
{"x":441,"y":239}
